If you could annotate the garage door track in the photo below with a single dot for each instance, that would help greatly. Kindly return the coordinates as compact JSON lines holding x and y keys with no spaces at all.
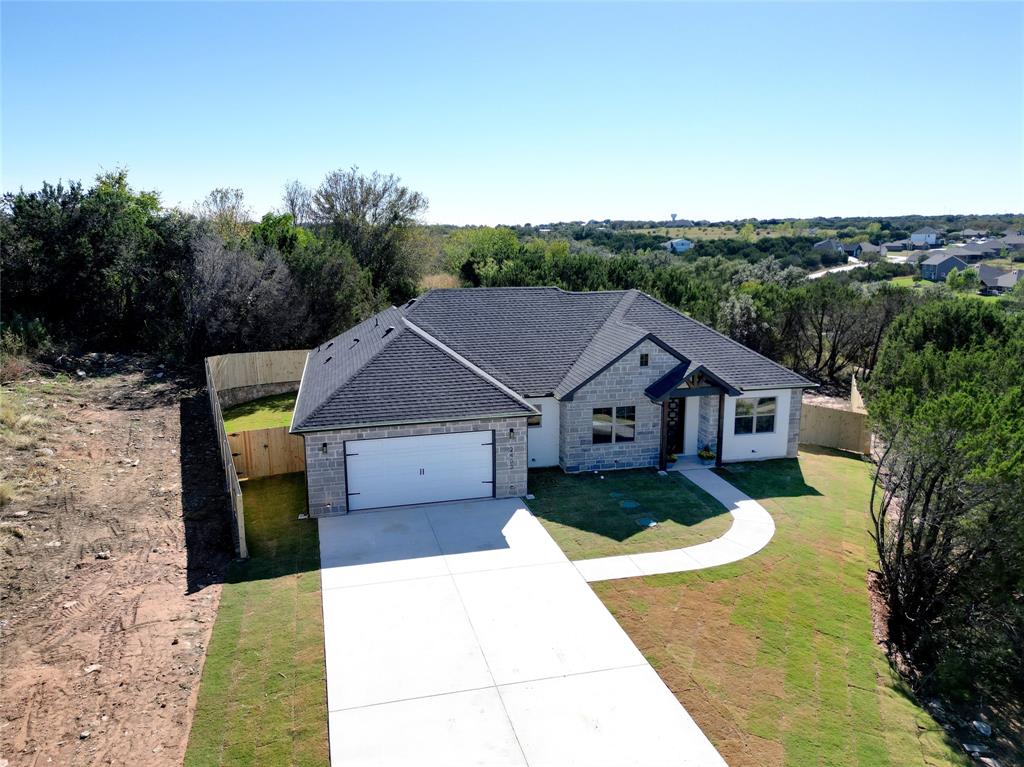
{"x":459,"y":634}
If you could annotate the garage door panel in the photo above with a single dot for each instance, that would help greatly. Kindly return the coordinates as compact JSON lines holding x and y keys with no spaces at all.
{"x":399,"y":471}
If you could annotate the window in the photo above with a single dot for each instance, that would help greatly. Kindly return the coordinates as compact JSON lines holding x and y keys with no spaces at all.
{"x":755,"y":416}
{"x":533,"y":420}
{"x":614,"y":424}
{"x":644,"y":360}
{"x":602,"y":425}
{"x":625,"y":423}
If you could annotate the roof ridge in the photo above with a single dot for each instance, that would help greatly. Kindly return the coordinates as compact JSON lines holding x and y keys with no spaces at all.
{"x":475,"y":369}
{"x":732,"y":341}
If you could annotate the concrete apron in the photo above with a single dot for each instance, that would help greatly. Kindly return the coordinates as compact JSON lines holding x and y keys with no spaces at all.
{"x":459,"y":634}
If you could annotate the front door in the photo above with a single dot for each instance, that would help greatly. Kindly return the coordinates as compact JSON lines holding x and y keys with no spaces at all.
{"x":674,"y":417}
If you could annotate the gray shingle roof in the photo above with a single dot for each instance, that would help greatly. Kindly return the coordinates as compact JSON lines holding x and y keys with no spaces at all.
{"x":941,"y":258}
{"x":394,"y":378}
{"x":527,"y":338}
{"x":482,"y":349}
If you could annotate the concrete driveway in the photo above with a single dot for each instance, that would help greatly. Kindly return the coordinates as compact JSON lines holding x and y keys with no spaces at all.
{"x":459,"y":634}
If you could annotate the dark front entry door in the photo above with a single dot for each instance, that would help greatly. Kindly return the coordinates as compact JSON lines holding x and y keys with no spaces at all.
{"x":674,"y":415}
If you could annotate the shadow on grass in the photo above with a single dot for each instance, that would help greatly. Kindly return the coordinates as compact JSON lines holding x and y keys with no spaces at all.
{"x":781,"y":478}
{"x":603,"y":504}
{"x":280,"y":544}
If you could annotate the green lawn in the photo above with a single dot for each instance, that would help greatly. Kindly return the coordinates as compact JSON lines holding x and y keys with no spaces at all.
{"x":773,"y":656}
{"x":593,"y":517}
{"x":262,"y":699}
{"x":264,"y":413}
{"x":906,"y":281}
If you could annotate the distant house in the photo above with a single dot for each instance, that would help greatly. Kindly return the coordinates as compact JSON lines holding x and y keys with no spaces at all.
{"x":973,"y":251}
{"x":830,"y":245}
{"x":996,"y":280}
{"x":938,"y":266}
{"x":1012,"y":241}
{"x":972,"y":233}
{"x":867,"y":249}
{"x":853,"y":251}
{"x":926,"y":236}
{"x":679,"y":245}
{"x":898,"y":245}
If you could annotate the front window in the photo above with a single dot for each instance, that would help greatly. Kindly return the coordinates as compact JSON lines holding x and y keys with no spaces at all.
{"x":613,"y":424}
{"x":755,"y":416}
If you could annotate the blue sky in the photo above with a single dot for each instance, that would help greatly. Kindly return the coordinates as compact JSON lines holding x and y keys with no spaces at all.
{"x":526,"y":112}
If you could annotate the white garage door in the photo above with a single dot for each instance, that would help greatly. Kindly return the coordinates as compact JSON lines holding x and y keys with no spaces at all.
{"x":399,"y":471}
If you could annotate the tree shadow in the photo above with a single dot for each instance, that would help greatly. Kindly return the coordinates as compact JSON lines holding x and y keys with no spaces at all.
{"x":779,"y":478}
{"x":602,"y":503}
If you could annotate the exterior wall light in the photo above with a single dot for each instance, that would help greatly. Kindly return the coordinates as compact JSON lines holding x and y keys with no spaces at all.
{"x":323,"y":448}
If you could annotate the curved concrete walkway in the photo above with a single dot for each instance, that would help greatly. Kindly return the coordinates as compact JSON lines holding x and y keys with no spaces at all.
{"x":752,"y":529}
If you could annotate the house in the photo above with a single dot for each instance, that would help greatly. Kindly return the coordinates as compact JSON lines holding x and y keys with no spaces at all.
{"x":455,"y":394}
{"x":972,"y":251}
{"x":830,"y":245}
{"x":938,"y":266}
{"x":853,"y":251}
{"x":996,"y":280}
{"x":869,"y":249}
{"x":926,"y":236}
{"x":680,"y":245}
{"x":897,"y":246}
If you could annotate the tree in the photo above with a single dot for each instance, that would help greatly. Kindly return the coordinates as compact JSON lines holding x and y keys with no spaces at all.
{"x":747,"y":232}
{"x":372,"y":215}
{"x":298,"y":202}
{"x":225,"y":211}
{"x":947,"y":402}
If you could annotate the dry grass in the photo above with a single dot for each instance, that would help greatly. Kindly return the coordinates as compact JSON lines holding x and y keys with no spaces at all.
{"x":439,"y":280}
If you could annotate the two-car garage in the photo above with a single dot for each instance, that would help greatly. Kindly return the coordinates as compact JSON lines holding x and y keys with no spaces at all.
{"x":401,"y":471}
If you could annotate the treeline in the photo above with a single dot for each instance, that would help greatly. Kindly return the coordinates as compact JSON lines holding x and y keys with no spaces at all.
{"x":108,"y":268}
{"x":947,"y":402}
{"x":824,"y":328}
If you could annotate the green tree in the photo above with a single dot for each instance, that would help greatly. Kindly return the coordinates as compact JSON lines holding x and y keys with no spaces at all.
{"x":373,"y":215}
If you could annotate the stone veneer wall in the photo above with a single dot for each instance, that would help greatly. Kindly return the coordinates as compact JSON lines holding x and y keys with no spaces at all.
{"x":796,"y":401}
{"x":621,"y":384}
{"x":325,"y":472}
{"x":707,"y":424}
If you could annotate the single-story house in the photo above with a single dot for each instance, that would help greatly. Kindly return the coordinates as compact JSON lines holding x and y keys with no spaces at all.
{"x":679,"y":245}
{"x":926,"y":236}
{"x":937,"y":267}
{"x":455,"y":394}
{"x":853,"y":251}
{"x":972,"y":251}
{"x":830,"y":245}
{"x":996,"y":280}
{"x":896,"y":246}
{"x":869,"y":248}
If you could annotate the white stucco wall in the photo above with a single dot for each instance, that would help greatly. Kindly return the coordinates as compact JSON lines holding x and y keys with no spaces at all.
{"x":542,"y":441}
{"x":756,"y":447}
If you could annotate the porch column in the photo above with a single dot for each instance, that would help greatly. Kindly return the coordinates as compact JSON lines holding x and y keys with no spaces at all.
{"x":663,"y":458}
{"x":721,"y":429}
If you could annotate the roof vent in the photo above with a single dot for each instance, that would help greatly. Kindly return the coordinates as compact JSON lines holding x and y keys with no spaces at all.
{"x":328,"y":360}
{"x":411,"y":302}
{"x":330,"y":344}
{"x":388,"y":330}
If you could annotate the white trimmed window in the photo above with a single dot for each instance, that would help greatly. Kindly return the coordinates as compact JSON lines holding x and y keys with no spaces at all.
{"x":755,"y":415}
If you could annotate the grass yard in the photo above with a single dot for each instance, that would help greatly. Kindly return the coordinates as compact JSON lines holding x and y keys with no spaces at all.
{"x":263,"y":413}
{"x":905,"y":281}
{"x":263,"y":699}
{"x":593,"y":517}
{"x":773,"y":656}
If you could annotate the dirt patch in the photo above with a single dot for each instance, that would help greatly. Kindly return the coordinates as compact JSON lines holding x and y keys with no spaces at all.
{"x":115,"y":540}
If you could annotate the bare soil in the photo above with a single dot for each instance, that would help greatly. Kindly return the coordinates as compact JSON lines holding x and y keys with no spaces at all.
{"x":114,"y":546}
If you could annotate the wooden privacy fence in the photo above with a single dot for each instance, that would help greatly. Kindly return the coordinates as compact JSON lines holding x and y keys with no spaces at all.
{"x":233,"y":371}
{"x":839,"y":429}
{"x":233,"y":488}
{"x":235,"y":378}
{"x":265,"y":452}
